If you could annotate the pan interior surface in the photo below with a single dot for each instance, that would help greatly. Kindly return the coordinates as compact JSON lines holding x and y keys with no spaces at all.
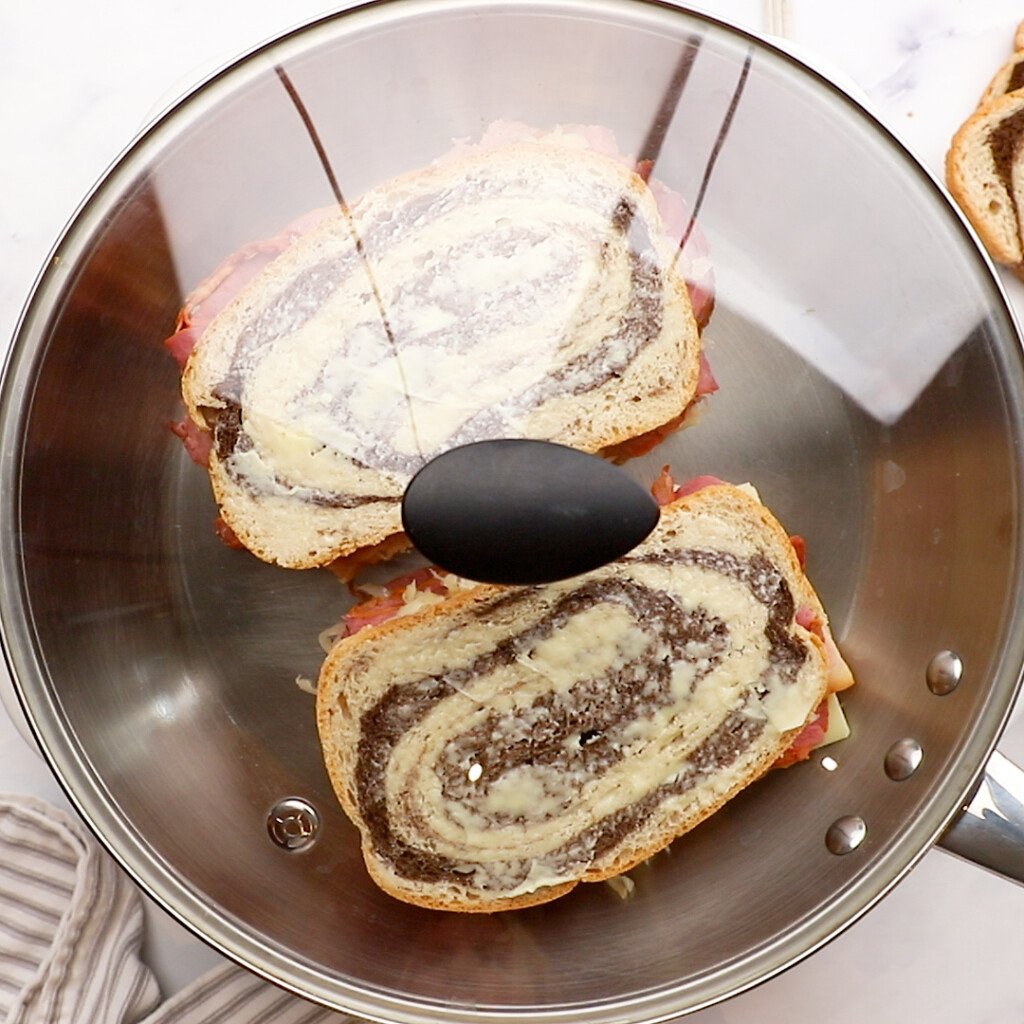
{"x":870,"y":388}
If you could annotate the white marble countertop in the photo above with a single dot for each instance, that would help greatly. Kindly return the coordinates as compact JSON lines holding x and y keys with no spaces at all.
{"x":78,"y":80}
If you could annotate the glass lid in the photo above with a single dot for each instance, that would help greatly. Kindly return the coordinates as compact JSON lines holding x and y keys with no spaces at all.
{"x":621,"y":257}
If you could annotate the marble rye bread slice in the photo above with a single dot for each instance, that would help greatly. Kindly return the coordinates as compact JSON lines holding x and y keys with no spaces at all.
{"x":501,"y":746}
{"x":981,"y":164}
{"x":528,"y":290}
{"x":1010,"y":75}
{"x":1009,"y":78}
{"x":983,"y":174}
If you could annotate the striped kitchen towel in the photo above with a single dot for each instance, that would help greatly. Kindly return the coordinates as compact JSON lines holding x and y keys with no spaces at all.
{"x":70,"y":931}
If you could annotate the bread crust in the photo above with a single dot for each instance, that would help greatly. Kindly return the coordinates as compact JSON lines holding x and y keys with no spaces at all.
{"x":340,"y":703}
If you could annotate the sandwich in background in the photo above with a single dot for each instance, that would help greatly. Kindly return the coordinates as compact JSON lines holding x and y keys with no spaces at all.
{"x":985,"y":163}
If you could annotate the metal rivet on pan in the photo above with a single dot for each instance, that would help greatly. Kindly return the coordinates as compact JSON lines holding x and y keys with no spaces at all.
{"x":845,"y":834}
{"x":903,"y":759}
{"x":944,"y":672}
{"x":293,"y":823}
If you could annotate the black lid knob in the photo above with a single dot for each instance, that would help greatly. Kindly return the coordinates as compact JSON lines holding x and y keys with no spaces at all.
{"x":524,"y":512}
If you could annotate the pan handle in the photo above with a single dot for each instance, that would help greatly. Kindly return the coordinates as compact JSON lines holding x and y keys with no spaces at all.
{"x":990,"y":832}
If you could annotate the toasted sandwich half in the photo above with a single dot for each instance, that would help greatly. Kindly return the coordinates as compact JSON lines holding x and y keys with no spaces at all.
{"x":528,"y":290}
{"x":985,"y":173}
{"x":500,"y":745}
{"x":985,"y":163}
{"x":1010,"y":76}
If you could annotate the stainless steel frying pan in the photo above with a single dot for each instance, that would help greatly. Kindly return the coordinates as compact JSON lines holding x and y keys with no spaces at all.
{"x":872,"y":387}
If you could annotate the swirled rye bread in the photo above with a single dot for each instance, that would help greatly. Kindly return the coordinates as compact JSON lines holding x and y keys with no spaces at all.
{"x":501,"y":746}
{"x":985,"y":174}
{"x":985,"y":163}
{"x":523,"y":291}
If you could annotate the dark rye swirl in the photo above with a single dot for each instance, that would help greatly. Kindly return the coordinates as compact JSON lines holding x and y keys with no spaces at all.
{"x":501,"y":746}
{"x":523,"y":291}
